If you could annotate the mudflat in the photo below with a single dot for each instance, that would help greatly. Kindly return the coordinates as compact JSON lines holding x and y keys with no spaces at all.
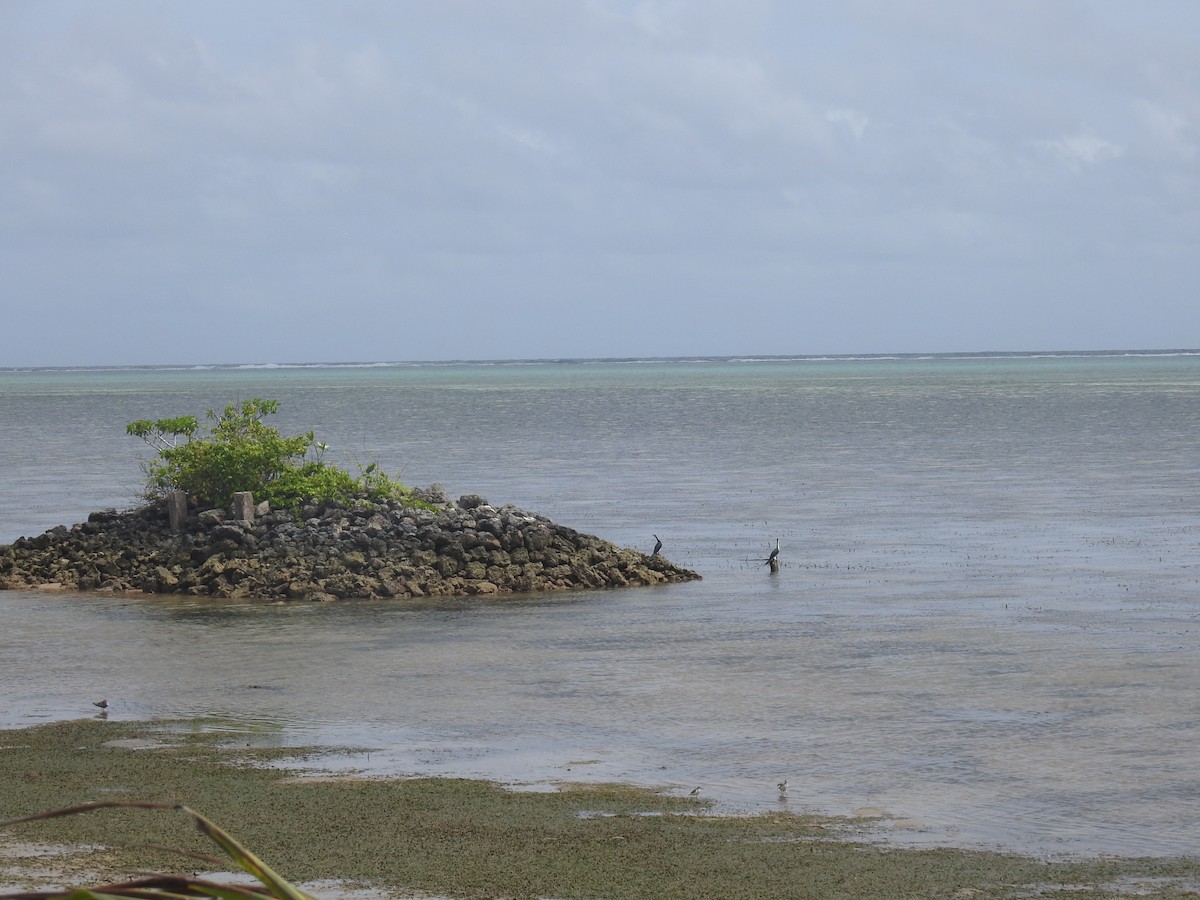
{"x":464,"y":838}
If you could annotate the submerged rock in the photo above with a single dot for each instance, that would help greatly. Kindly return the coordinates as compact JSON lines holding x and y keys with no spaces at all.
{"x":328,"y":552}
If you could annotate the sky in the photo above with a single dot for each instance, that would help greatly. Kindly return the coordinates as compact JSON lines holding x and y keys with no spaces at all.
{"x":383,"y":180}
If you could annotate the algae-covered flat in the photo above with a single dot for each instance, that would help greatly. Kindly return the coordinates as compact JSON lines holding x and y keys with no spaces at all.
{"x":464,"y":838}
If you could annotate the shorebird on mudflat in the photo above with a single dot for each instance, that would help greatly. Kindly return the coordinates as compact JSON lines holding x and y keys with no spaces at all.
{"x":695,"y":792}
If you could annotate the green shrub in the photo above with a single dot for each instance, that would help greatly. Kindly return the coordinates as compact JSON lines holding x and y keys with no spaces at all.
{"x":316,"y":480}
{"x":240,"y":453}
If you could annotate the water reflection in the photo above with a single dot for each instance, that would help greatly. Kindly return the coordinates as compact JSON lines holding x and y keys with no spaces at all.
{"x":1040,"y":731}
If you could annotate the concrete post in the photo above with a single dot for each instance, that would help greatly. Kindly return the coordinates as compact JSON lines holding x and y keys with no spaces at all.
{"x":177,"y":509}
{"x":243,"y":506}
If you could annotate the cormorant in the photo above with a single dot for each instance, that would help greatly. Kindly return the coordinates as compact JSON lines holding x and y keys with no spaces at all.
{"x":774,"y":553}
{"x":657,"y":545}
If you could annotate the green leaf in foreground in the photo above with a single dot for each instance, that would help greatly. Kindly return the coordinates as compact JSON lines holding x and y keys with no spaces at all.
{"x":165,"y":887}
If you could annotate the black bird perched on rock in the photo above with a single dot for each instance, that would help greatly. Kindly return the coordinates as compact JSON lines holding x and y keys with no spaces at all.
{"x":657,"y":545}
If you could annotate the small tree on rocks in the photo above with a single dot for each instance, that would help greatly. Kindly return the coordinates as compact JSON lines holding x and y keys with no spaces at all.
{"x":241,"y":453}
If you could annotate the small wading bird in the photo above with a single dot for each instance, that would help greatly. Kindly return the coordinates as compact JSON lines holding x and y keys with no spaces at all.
{"x":657,"y":545}
{"x":103,"y":704}
{"x":782,"y":787}
{"x":695,"y":792}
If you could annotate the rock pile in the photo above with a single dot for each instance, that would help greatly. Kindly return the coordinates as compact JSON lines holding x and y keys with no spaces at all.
{"x":335,"y":551}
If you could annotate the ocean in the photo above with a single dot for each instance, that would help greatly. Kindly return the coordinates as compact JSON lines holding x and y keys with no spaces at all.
{"x":984,"y":633}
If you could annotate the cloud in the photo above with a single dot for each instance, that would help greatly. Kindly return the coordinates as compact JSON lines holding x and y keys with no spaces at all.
{"x":380,"y":160}
{"x":1080,"y":151}
{"x":1170,"y":131}
{"x":852,"y":119}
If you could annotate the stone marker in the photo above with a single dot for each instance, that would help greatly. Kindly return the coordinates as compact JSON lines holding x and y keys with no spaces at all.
{"x":177,"y":509}
{"x":243,"y":506}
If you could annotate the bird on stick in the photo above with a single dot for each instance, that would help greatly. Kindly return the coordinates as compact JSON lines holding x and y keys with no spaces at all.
{"x":774,"y":553}
{"x":657,"y":545}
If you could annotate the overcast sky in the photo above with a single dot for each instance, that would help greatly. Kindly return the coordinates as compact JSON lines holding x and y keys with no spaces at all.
{"x":292,"y":181}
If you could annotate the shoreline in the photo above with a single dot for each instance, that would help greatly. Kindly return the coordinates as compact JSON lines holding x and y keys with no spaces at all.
{"x":464,"y":837}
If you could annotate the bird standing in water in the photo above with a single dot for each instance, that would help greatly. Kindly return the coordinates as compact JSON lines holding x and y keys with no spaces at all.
{"x":657,"y":545}
{"x":782,"y":787}
{"x":103,"y":704}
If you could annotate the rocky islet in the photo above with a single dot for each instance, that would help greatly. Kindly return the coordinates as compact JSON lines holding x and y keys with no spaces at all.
{"x":337,"y":550}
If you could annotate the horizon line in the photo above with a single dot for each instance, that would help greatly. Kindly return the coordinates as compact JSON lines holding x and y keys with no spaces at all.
{"x":567,"y":360}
